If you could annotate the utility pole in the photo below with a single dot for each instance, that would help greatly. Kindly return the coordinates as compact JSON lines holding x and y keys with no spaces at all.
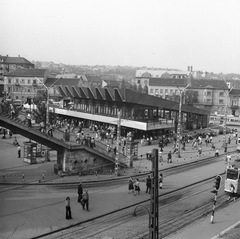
{"x":225,"y":121}
{"x":117,"y":142}
{"x":153,"y":217}
{"x":180,"y":119}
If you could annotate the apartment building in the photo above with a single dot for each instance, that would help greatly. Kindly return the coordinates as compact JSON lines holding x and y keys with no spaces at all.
{"x":23,"y":83}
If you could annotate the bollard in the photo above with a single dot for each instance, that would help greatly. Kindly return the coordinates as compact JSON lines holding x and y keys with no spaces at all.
{"x":96,"y":173}
{"x":79,"y":176}
{"x":42,"y":176}
{"x":23,"y":177}
{"x":62,"y":176}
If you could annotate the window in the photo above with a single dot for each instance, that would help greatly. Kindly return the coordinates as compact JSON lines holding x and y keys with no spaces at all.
{"x":145,"y":82}
{"x":221,"y":101}
{"x":23,"y":81}
{"x":28,"y":90}
{"x":151,"y":91}
{"x":138,"y":81}
{"x":29,"y":81}
{"x":9,"y":81}
{"x":221,"y":94}
{"x":209,"y":93}
{"x":161,"y":91}
{"x":209,"y":100}
{"x":166,"y":91}
{"x":171,"y":91}
{"x":176,"y":92}
{"x":156,"y":91}
{"x":34,"y":82}
{"x":17,"y":81}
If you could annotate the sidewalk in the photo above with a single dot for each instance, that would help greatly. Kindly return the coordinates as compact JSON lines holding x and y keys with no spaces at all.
{"x":226,"y":225}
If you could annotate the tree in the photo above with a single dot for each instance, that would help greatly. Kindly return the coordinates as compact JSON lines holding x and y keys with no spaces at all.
{"x":191,"y":97}
{"x":145,"y":90}
{"x":40,"y":113}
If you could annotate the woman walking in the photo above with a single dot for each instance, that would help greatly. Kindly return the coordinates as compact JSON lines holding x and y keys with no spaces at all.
{"x":130,"y":185}
{"x":137,"y":187}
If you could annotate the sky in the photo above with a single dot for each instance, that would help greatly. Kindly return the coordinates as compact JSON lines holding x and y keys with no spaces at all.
{"x":172,"y":34}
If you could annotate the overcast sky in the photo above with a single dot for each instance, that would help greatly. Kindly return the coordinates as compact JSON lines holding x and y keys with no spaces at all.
{"x":204,"y":34}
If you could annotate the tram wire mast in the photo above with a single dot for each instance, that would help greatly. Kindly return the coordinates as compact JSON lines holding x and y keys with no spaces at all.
{"x":154,"y":211}
{"x":180,"y":118}
{"x":117,"y":142}
{"x":217,"y":183}
{"x":225,"y":121}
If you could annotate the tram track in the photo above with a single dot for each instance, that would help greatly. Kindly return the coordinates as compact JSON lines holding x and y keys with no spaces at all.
{"x":50,"y":185}
{"x":123,"y":217}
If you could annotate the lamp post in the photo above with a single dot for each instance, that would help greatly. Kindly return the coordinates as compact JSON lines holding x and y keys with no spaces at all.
{"x":47,"y":104}
{"x":180,"y":119}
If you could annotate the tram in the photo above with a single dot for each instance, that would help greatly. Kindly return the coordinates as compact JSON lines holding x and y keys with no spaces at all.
{"x":233,"y":178}
{"x":218,"y":119}
{"x":238,"y":144}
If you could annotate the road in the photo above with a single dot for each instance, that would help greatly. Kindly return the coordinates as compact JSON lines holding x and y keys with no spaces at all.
{"x":31,"y":211}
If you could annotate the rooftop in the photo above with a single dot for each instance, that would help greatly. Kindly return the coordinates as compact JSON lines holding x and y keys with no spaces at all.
{"x":28,"y":72}
{"x":15,"y":60}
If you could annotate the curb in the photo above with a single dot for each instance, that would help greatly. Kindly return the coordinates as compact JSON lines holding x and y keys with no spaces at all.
{"x":222,"y":233}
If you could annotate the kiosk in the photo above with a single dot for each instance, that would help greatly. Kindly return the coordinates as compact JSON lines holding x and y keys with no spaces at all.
{"x":30,"y":152}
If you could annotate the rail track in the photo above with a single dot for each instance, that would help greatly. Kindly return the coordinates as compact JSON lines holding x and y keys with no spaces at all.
{"x":177,"y":209}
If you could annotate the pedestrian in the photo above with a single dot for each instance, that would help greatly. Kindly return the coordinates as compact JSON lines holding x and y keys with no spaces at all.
{"x":228,"y":159}
{"x":160,"y":157}
{"x":160,"y":181}
{"x":130,"y":185}
{"x":85,"y":200}
{"x":137,"y":187}
{"x":232,"y":193}
{"x":15,"y":142}
{"x":148,"y":184}
{"x":19,"y":151}
{"x":68,"y":208}
{"x":216,"y":153}
{"x":183,"y":145}
{"x":199,"y":152}
{"x":50,"y":130}
{"x":80,"y":192}
{"x":169,"y":159}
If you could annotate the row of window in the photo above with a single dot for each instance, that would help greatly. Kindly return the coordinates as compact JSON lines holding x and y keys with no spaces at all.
{"x":23,"y":81}
{"x":175,"y":91}
{"x":164,"y":91}
{"x":209,"y":93}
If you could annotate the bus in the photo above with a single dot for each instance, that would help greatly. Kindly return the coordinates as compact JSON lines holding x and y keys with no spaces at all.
{"x":233,"y":178}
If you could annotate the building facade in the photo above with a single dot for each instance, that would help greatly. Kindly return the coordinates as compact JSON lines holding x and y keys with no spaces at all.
{"x":23,"y":83}
{"x":9,"y":64}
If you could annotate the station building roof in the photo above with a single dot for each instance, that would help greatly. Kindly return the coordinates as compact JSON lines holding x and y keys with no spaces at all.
{"x":127,"y":96}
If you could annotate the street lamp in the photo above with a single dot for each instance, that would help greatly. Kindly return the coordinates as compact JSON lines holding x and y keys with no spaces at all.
{"x":47,"y":88}
{"x":179,"y":118}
